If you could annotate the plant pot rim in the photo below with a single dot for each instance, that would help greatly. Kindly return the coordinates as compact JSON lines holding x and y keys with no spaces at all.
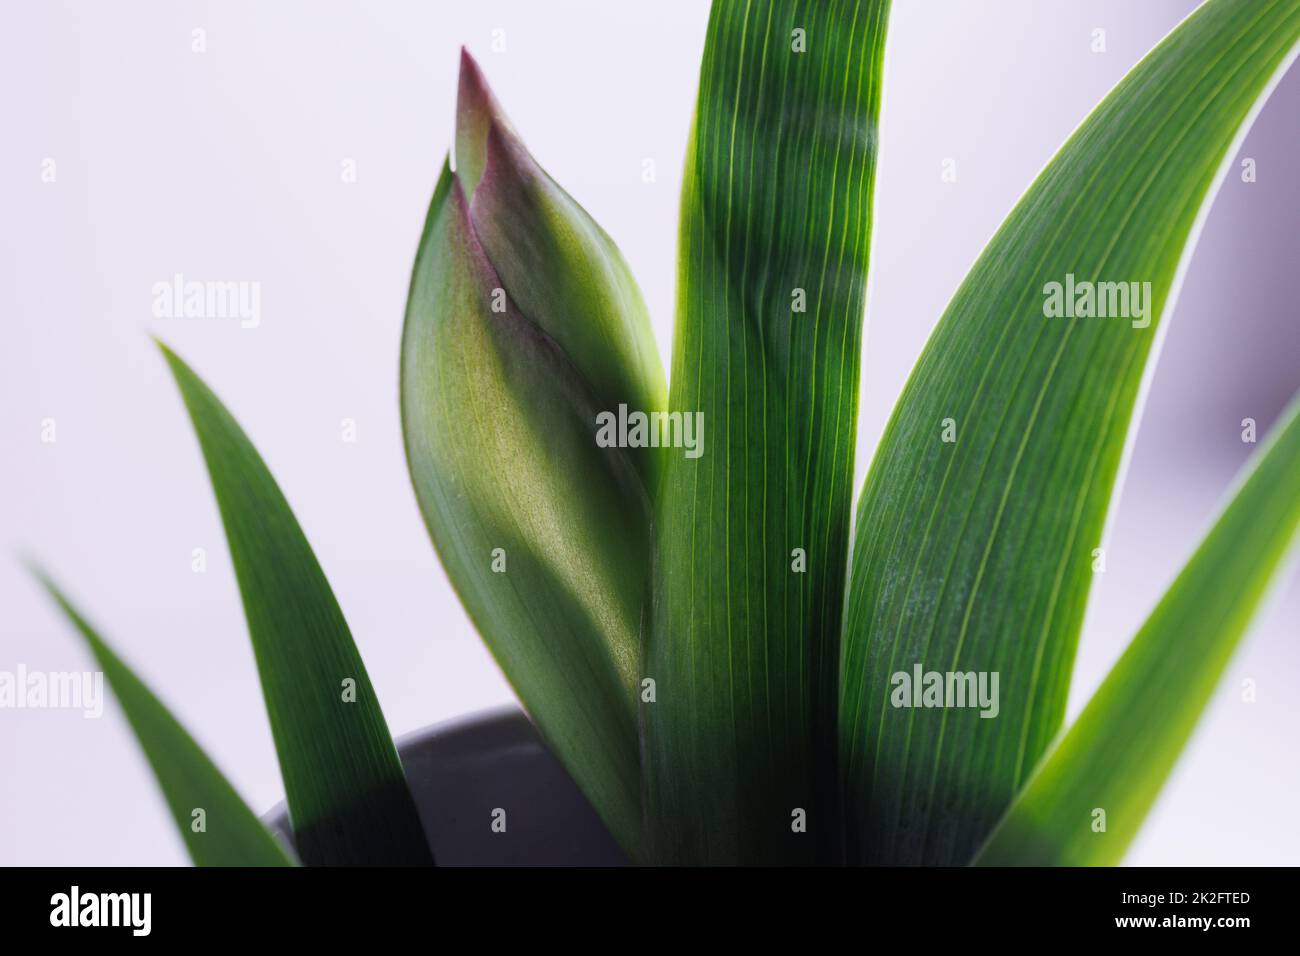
{"x":490,"y":793}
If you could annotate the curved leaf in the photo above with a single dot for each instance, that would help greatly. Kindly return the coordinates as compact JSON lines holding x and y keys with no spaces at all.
{"x":232,"y":834}
{"x":347,"y":795}
{"x":974,"y":555}
{"x":753,"y":534}
{"x":557,"y":265}
{"x":542,"y":532}
{"x":1119,"y":752}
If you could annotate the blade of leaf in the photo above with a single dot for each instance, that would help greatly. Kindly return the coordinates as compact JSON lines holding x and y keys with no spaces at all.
{"x":753,"y":534}
{"x":975,"y":555}
{"x":542,"y":532}
{"x":1118,"y":753}
{"x":347,"y":795}
{"x":233,"y":835}
{"x":558,"y":266}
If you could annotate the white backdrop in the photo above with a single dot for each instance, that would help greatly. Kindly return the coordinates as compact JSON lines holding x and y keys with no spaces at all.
{"x":226,"y":164}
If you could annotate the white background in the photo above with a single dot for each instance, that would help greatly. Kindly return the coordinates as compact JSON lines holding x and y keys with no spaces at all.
{"x":226,"y":165}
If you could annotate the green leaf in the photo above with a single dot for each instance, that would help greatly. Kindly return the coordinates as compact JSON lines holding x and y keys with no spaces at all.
{"x":976,"y":555}
{"x":543,"y":532}
{"x":234,"y":836}
{"x":753,"y":534}
{"x":1124,"y":744}
{"x":348,"y":798}
{"x":557,"y":265}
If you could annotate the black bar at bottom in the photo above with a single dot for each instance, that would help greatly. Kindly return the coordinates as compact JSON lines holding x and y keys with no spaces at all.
{"x":302,"y":905}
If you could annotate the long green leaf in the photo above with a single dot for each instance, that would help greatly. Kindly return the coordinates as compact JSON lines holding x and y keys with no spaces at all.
{"x":347,"y":795}
{"x":1117,"y":755}
{"x":975,"y":555}
{"x":227,"y":833}
{"x":753,"y":534}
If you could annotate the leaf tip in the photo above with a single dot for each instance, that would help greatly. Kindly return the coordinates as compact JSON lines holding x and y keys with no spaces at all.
{"x":477,"y":110}
{"x":55,"y":593}
{"x":34,"y":567}
{"x":473,"y":93}
{"x":180,"y":369}
{"x":173,"y":360}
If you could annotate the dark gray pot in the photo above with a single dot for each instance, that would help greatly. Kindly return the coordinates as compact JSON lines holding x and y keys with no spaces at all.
{"x":462,"y":770}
